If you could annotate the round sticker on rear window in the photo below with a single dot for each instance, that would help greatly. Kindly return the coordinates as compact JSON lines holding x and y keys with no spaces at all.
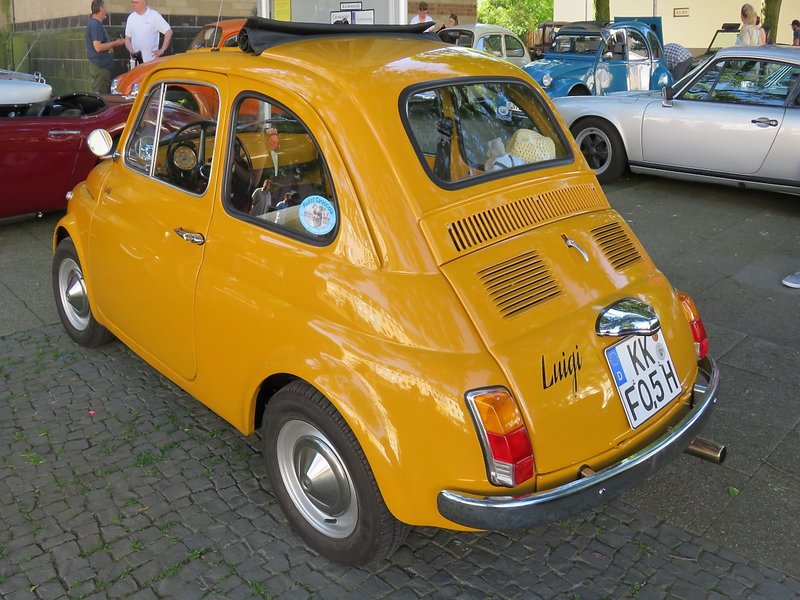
{"x":317,"y":215}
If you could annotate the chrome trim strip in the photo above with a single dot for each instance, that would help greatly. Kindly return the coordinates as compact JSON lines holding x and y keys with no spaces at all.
{"x":507,"y":513}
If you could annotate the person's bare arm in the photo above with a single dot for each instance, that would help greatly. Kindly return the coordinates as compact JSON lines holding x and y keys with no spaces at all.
{"x":165,"y":45}
{"x":106,"y":46}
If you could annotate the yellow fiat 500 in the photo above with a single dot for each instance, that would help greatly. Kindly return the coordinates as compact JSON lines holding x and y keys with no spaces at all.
{"x":387,"y":254}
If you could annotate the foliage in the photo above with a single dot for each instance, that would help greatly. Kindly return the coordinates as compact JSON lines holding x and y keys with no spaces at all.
{"x":517,"y":15}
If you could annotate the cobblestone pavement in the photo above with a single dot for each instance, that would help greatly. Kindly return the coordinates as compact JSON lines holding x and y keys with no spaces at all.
{"x":115,"y":483}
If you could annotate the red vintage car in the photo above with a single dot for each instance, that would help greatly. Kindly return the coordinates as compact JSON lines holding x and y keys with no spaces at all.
{"x":43,"y":151}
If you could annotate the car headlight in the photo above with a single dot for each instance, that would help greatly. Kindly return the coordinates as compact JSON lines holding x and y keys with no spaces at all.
{"x":547,"y":79}
{"x":114,"y":85}
{"x":134,"y":89}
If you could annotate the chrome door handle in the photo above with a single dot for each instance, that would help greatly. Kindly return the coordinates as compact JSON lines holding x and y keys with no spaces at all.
{"x":190,"y":236}
{"x":60,"y":132}
{"x":765,"y":121}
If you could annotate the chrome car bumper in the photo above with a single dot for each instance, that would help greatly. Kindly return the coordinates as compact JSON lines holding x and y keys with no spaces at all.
{"x":569,"y":500}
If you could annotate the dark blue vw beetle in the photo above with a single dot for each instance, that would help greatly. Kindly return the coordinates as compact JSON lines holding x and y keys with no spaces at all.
{"x":590,"y":59}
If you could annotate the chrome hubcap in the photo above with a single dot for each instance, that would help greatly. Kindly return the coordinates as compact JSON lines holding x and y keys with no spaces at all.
{"x":72,"y":292}
{"x":595,"y":148}
{"x":316,"y":479}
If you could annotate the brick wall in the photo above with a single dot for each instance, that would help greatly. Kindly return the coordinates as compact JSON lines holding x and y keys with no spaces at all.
{"x":58,"y":47}
{"x":60,"y":54}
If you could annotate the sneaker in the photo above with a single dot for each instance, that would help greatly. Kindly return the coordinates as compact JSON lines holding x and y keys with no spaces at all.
{"x":792,"y":281}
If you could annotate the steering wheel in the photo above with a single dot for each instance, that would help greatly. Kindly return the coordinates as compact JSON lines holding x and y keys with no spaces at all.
{"x":186,"y":155}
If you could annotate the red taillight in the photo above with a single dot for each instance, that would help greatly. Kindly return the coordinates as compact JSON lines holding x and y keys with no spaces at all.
{"x":695,"y":324}
{"x":504,"y":438}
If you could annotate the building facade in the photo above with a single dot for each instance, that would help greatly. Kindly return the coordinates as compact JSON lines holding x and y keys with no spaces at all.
{"x":691,"y":23}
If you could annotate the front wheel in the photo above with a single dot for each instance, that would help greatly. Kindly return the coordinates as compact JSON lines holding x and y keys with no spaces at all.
{"x":322,"y":480}
{"x":72,"y":301}
{"x":602,"y":148}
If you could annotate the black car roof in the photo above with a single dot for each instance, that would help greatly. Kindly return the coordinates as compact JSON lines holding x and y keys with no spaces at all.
{"x":259,"y":33}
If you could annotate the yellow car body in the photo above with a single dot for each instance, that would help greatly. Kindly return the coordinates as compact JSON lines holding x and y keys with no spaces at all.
{"x":424,"y":291}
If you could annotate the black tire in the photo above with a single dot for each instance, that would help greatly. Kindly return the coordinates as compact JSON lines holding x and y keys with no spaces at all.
{"x":346,"y":520}
{"x":602,"y":148}
{"x":72,"y":302}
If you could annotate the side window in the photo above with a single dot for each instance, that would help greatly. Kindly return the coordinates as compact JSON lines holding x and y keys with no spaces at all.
{"x":754,"y":82}
{"x":637,"y":47}
{"x":277,"y":176}
{"x":173,"y":143}
{"x":231,"y":42}
{"x":654,"y":44}
{"x":514,"y":47}
{"x":491,"y":44}
{"x":465,"y":38}
{"x":702,"y":86}
{"x":141,"y":145}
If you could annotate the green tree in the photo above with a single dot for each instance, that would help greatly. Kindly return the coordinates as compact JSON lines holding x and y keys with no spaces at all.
{"x":602,"y":11}
{"x":517,"y":15}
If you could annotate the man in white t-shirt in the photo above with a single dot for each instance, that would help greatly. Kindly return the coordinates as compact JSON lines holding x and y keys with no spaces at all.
{"x":422,"y":16}
{"x":142,"y":31}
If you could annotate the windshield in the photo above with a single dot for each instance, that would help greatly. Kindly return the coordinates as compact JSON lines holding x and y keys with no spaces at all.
{"x":722,"y":39}
{"x":577,"y":44}
{"x":207,"y":37}
{"x":474,"y":129}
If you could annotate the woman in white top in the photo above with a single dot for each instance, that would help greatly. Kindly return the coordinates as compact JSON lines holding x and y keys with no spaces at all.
{"x":750,"y":34}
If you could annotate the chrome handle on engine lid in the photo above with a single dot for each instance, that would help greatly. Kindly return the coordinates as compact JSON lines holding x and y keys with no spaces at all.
{"x":628,"y":316}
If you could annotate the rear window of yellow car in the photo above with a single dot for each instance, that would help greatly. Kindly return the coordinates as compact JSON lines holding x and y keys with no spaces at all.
{"x":471,"y":129}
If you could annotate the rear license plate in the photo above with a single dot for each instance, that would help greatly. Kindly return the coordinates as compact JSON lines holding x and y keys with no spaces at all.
{"x":644,"y":374}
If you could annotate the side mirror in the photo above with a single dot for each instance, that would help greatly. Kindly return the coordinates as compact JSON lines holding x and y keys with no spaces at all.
{"x":667,"y":94}
{"x":100,"y":143}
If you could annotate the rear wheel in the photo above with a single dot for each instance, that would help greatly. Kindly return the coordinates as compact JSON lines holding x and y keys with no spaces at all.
{"x":322,"y":480}
{"x":602,"y":148}
{"x":72,"y":301}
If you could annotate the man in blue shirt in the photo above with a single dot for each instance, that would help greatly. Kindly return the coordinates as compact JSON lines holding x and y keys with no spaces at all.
{"x":99,"y":49}
{"x":795,"y":33}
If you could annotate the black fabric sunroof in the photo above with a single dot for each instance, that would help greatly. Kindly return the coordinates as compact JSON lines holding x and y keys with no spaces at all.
{"x":259,"y":33}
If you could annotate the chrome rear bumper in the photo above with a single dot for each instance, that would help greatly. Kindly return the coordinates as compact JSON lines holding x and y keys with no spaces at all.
{"x":506,"y":512}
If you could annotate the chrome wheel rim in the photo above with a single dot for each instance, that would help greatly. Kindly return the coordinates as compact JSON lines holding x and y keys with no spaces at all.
{"x":596,"y":148}
{"x":72,"y":294}
{"x":316,"y":479}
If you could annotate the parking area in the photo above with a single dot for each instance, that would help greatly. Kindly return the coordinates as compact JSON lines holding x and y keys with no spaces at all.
{"x":115,"y":483}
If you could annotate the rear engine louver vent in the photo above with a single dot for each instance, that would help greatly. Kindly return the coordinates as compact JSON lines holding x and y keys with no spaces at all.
{"x":512,"y":217}
{"x":616,"y":245}
{"x":519,"y":283}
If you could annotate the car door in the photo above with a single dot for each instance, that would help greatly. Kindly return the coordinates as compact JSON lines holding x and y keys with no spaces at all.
{"x":726,"y":121}
{"x":640,"y":61}
{"x":152,"y":222}
{"x":37,"y":158}
{"x":783,"y":163}
{"x":610,"y":70}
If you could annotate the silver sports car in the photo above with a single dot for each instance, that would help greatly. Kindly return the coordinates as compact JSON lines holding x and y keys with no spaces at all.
{"x":733,"y":120}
